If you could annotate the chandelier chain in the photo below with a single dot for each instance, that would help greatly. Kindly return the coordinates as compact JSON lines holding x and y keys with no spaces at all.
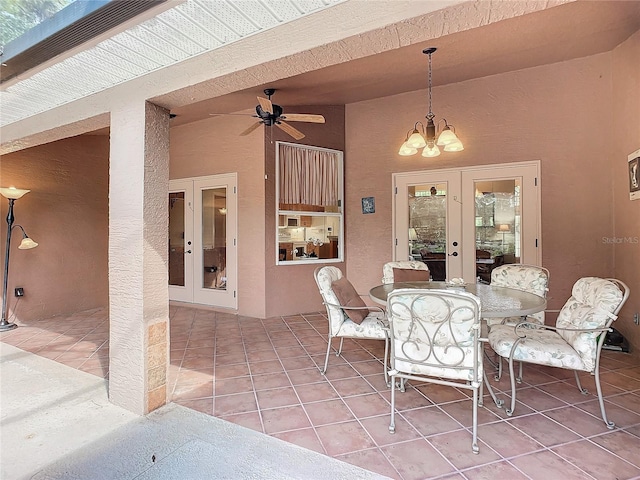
{"x":430,"y":114}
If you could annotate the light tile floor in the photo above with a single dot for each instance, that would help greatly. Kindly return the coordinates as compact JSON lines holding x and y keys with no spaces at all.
{"x":263,"y":374}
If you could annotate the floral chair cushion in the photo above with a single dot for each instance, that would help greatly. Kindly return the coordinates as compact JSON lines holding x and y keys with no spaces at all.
{"x":325,"y":278}
{"x":389,"y":267}
{"x":373,"y":325}
{"x":435,"y":333}
{"x":528,"y":278}
{"x":592,"y":305}
{"x":543,"y":347}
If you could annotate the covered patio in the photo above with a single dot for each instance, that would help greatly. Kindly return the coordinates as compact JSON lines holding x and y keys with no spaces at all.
{"x":264,"y":375}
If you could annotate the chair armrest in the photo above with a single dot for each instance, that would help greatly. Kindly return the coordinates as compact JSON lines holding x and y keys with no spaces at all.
{"x":555,"y":329}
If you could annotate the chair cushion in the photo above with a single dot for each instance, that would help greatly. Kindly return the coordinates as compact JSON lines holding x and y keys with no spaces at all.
{"x":544,"y":347}
{"x":410,"y":275}
{"x":348,"y":297}
{"x":371,"y":327}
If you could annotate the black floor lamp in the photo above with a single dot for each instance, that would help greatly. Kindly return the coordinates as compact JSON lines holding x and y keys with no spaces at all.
{"x":12,"y":194}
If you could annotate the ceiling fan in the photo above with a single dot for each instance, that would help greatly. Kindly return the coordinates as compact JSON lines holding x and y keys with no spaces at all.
{"x":272,"y":114}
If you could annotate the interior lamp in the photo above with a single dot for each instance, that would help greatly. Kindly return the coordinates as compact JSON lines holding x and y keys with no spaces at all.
{"x":12,"y":194}
{"x":428,"y":137}
{"x":503,"y":228}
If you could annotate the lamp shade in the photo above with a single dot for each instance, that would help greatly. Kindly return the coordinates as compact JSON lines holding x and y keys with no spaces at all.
{"x":27,"y":243}
{"x":454,"y":146}
{"x":416,"y":140}
{"x":413,"y":236}
{"x":504,"y":228}
{"x":13,"y":192}
{"x":405,"y":150}
{"x":433,"y":151}
{"x":446,"y":137}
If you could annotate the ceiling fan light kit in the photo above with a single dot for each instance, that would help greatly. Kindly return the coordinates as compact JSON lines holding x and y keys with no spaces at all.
{"x":428,"y":137}
{"x":271,"y":114}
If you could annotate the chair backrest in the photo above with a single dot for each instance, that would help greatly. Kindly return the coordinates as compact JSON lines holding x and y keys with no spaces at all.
{"x":594,"y":303}
{"x":387,"y":269}
{"x":435,"y":332}
{"x":324,"y":277}
{"x":528,"y":278}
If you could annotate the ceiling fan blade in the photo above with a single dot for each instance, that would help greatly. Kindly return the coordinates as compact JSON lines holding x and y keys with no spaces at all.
{"x":237,"y":114}
{"x":294,"y":132}
{"x":265,"y":104}
{"x":303,"y":117}
{"x":251,"y":129}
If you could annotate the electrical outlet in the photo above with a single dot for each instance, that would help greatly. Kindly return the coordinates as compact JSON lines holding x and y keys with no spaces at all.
{"x":636,"y":318}
{"x":19,"y":292}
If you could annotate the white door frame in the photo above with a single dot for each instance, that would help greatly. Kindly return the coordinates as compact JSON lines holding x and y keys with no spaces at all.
{"x":461,"y":211}
{"x":193,"y":290}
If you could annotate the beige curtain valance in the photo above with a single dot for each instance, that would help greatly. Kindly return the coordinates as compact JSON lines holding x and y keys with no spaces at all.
{"x":308,"y":176}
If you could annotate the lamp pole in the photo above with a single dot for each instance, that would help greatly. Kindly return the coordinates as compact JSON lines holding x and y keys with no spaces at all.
{"x":4,"y":325}
{"x":12,"y":194}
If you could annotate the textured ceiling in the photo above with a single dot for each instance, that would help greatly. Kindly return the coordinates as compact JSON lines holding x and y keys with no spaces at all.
{"x":474,"y":39}
{"x":553,"y":35}
{"x":188,"y":29}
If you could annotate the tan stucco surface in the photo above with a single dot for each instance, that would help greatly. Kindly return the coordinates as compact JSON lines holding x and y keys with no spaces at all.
{"x":577,"y":117}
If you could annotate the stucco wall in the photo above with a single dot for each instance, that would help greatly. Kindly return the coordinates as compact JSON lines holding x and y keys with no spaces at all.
{"x":626,"y":213}
{"x":212,"y":147}
{"x":559,"y":114}
{"x":291,"y":289}
{"x":66,"y":212}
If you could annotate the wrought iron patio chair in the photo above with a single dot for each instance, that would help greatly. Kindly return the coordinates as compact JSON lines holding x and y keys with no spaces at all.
{"x":435,"y":337}
{"x":528,"y":278}
{"x":348,"y":315}
{"x":404,"y":271}
{"x":574,"y":343}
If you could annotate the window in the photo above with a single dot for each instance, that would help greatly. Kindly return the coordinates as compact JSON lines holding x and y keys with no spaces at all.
{"x":309,"y":189}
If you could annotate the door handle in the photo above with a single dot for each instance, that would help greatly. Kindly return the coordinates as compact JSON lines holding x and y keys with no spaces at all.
{"x":188,"y":251}
{"x":454,"y":254}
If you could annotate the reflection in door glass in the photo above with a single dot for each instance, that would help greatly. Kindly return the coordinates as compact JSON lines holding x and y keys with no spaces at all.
{"x":428,"y":227}
{"x":176,"y":239}
{"x":214,"y":238}
{"x":498,"y":223}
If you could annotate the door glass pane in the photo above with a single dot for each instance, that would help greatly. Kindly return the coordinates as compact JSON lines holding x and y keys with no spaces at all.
{"x":214,"y":238}
{"x":176,"y":239}
{"x":497,"y":223}
{"x":428,"y":227}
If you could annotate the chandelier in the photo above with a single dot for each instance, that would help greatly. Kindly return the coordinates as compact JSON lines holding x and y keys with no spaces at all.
{"x":429,"y":137}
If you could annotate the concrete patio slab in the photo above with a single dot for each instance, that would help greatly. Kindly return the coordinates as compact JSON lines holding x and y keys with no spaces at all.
{"x":57,"y":423}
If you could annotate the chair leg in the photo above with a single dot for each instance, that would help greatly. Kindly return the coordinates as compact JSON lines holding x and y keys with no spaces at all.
{"x":474,"y":442}
{"x":499,"y":403}
{"x":392,"y":425}
{"x":519,"y":377}
{"x":610,"y":425}
{"x":326,"y":358}
{"x":340,"y":349}
{"x":583,"y":391}
{"x":499,"y":374}
{"x":509,"y":411}
{"x":386,"y":361}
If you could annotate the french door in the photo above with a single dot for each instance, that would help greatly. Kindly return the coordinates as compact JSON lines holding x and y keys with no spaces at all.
{"x":202,"y":240}
{"x":465,"y":222}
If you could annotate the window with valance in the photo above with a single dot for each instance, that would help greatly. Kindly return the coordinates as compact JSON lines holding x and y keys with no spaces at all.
{"x":309,"y":193}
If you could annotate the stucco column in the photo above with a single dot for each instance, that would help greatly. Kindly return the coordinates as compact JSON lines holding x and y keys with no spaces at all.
{"x":138,"y":251}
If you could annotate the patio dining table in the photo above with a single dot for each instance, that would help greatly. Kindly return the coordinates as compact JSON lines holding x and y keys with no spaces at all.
{"x":495,"y":302}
